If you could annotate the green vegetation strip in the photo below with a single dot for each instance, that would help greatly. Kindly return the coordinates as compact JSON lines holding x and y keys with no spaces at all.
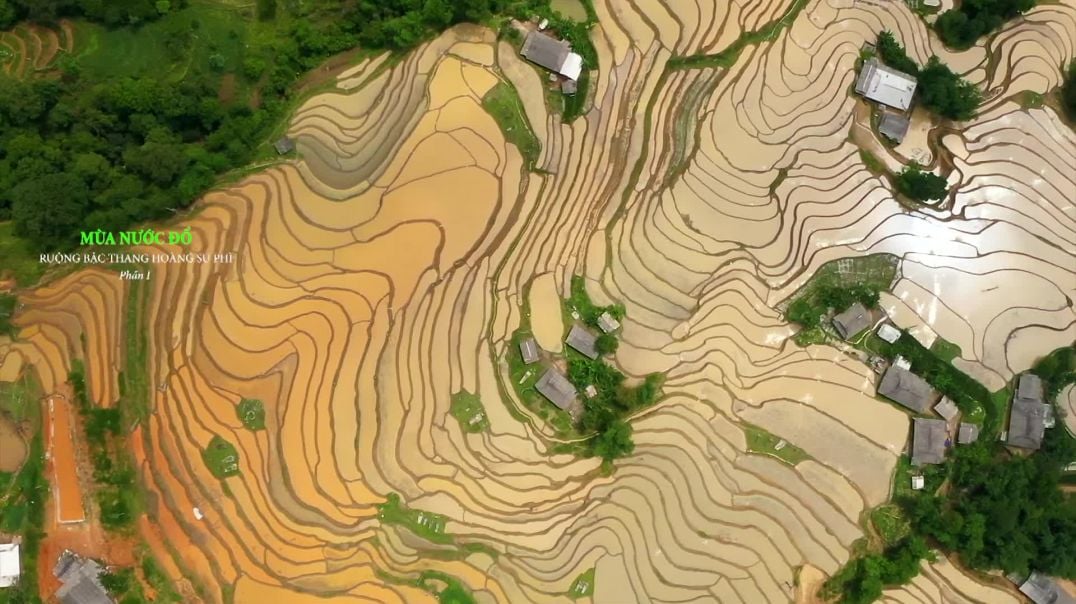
{"x":761,"y":441}
{"x":728,"y":56}
{"x":252,"y":413}
{"x":221,"y":457}
{"x":428,"y":525}
{"x":583,"y":586}
{"x":22,"y":512}
{"x":468,"y":410}
{"x":503,"y":104}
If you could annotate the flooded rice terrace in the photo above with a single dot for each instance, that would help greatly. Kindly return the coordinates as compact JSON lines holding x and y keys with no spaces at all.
{"x":387,"y":270}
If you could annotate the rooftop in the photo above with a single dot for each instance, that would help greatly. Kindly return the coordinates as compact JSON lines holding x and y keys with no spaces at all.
{"x":1041,"y":589}
{"x":528,"y":349}
{"x":888,"y":333}
{"x":10,"y":567}
{"x":894,"y":126}
{"x":885,"y":85}
{"x":928,"y":441}
{"x":1029,"y":388}
{"x":946,"y":408}
{"x":608,"y":323}
{"x":555,"y":55}
{"x":903,"y":386}
{"x":852,"y":321}
{"x":583,"y":341}
{"x":555,"y":387}
{"x":1027,"y":424}
{"x":967,"y":434}
{"x":80,"y":579}
{"x":284,"y":145}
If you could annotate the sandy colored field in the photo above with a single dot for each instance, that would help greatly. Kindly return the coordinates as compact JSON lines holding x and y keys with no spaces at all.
{"x":387,"y":269}
{"x":60,"y":450}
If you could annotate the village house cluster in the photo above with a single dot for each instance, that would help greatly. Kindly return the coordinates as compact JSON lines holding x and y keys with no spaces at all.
{"x":553,"y":384}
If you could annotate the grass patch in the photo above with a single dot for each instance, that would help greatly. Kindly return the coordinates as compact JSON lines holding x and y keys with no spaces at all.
{"x":502,"y":102}
{"x":1031,"y":100}
{"x":468,"y":410}
{"x":134,"y":379}
{"x":20,"y":260}
{"x":945,"y":350}
{"x":445,"y":587}
{"x":523,"y":378}
{"x":221,"y":457}
{"x":728,"y":56}
{"x":761,"y":441}
{"x":22,"y":512}
{"x":427,"y":525}
{"x":890,"y":523}
{"x":18,"y":399}
{"x":875,"y":165}
{"x":8,"y":302}
{"x":575,"y":104}
{"x":836,"y":286}
{"x":251,"y":412}
{"x":583,"y":586}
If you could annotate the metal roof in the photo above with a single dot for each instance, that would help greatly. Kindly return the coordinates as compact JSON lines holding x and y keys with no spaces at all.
{"x":1027,"y":424}
{"x":555,"y":387}
{"x":903,"y":386}
{"x":554,"y":55}
{"x":894,"y":126}
{"x":885,"y":85}
{"x":284,"y":145}
{"x":946,"y":408}
{"x":928,"y":441}
{"x":967,"y":434}
{"x":608,"y":323}
{"x":852,"y":321}
{"x":1041,"y":589}
{"x":528,"y":349}
{"x":583,"y":341}
{"x":1029,"y":388}
{"x":10,"y":566}
{"x":80,"y":578}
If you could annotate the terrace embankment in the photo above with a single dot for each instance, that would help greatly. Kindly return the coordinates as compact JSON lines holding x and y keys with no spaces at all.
{"x":387,"y":269}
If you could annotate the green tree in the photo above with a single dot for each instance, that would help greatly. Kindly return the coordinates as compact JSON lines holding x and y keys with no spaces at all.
{"x":960,"y":27}
{"x":48,"y":210}
{"x":1068,"y":91}
{"x":920,"y":185}
{"x":893,"y":54}
{"x":606,"y":344}
{"x":615,"y":442}
{"x":945,"y":93}
{"x":266,"y":10}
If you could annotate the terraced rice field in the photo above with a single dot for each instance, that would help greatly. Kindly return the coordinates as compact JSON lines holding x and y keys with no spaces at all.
{"x":32,"y":48}
{"x":387,"y":270}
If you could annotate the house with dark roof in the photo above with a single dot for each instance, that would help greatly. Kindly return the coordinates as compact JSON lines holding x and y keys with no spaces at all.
{"x":583,"y":341}
{"x":554,"y":55}
{"x":928,"y":441}
{"x":555,"y":386}
{"x":1029,"y":415}
{"x":967,"y":433}
{"x":894,"y":126}
{"x":80,"y":580}
{"x":904,"y":387}
{"x":946,"y":408}
{"x":1041,"y":589}
{"x":284,"y":146}
{"x":852,"y":321}
{"x":528,"y":349}
{"x":885,"y":85}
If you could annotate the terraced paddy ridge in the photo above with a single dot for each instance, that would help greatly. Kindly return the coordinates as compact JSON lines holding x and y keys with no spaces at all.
{"x":379,"y":278}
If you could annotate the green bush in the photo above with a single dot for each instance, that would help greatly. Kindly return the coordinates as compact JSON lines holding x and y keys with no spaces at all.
{"x":893,"y":54}
{"x":945,"y":93}
{"x":606,"y":344}
{"x":920,"y":185}
{"x":962,"y":26}
{"x":1068,"y":91}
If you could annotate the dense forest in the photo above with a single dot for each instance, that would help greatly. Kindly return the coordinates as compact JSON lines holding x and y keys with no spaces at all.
{"x":82,"y":149}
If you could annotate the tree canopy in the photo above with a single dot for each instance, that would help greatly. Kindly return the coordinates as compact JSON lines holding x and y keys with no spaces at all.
{"x":1005,"y":512}
{"x":920,"y":185}
{"x":1068,"y":90}
{"x":892,"y":54}
{"x":960,"y":27}
{"x":946,"y":93}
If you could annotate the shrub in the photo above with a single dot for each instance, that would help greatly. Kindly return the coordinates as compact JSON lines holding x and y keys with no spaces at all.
{"x":893,"y":54}
{"x":920,"y":185}
{"x":946,"y":93}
